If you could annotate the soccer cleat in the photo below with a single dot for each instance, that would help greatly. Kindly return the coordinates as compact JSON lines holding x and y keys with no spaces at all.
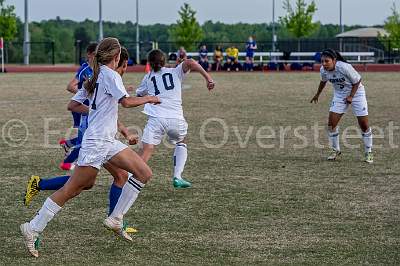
{"x":369,"y":157}
{"x":31,"y":239}
{"x":181,"y":183}
{"x":67,"y":166}
{"x":129,"y":230}
{"x":32,"y":189}
{"x":116,"y":225}
{"x":334,"y":155}
{"x":63,"y":144}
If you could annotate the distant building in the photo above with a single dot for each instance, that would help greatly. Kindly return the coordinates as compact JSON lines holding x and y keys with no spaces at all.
{"x":363,"y":40}
{"x":363,"y":33}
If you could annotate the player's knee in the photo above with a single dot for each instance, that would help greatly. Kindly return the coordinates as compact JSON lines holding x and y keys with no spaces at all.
{"x":70,"y":192}
{"x":144,"y":174}
{"x":120,"y":178}
{"x":332,"y":128}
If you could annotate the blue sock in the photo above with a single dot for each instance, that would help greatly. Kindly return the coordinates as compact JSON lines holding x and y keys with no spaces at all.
{"x":71,"y":142}
{"x":115,"y":192}
{"x":53,"y":183}
{"x":72,"y":156}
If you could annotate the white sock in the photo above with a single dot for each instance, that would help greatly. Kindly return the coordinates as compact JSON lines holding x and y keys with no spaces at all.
{"x":129,"y":194}
{"x":180,"y":156}
{"x":45,"y":215}
{"x":334,"y":139}
{"x":367,"y":138}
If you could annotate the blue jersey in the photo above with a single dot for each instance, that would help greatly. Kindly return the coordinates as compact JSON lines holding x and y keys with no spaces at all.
{"x":85,"y":72}
{"x":250,"y":48}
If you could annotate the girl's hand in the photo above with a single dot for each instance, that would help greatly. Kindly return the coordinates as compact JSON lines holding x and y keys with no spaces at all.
{"x":315,"y":99}
{"x":348,"y":99}
{"x":210,"y":84}
{"x":153,"y":99}
{"x":130,"y":88}
{"x":132,"y":139}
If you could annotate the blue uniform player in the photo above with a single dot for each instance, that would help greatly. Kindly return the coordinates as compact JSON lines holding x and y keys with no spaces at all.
{"x":80,"y":121}
{"x":251,"y":46}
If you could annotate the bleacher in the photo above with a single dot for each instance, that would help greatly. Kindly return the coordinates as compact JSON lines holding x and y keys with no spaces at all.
{"x":263,"y":58}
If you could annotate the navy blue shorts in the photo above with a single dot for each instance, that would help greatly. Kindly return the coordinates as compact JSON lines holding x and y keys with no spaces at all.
{"x":250,"y":54}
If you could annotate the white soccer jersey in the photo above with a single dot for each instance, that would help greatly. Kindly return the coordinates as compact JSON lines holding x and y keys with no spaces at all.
{"x":343,"y":77}
{"x":167,"y":85}
{"x":103,"y":107}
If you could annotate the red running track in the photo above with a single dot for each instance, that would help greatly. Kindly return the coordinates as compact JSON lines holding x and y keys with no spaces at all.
{"x":140,"y":68}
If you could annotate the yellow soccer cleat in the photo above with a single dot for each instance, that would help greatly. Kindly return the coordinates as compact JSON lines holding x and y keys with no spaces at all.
{"x":32,"y":189}
{"x":128,"y":229}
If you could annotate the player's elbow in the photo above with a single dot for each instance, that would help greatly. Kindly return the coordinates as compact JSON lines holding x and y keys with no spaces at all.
{"x":190,"y":63}
{"x":69,"y":107}
{"x":125,"y":103}
{"x":72,"y":105}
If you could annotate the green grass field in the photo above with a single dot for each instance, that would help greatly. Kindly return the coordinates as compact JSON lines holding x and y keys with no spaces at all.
{"x":255,"y":199}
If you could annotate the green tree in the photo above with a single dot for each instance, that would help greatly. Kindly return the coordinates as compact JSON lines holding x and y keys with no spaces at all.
{"x":83,"y":36}
{"x":187,"y":31}
{"x":8,"y":21}
{"x":392,"y":25}
{"x":298,"y":21}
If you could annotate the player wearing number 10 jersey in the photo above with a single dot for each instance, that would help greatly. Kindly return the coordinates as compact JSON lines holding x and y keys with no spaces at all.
{"x":167,"y":117}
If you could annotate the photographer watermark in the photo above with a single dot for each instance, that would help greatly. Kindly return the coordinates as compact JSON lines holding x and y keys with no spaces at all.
{"x":15,"y":133}
{"x":216,"y":133}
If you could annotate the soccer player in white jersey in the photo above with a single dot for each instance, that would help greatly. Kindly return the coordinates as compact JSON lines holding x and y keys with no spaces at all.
{"x":105,"y":91}
{"x":348,"y":90}
{"x":167,"y":117}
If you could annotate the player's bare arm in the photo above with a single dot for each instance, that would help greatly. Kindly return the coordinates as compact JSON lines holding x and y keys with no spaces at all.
{"x":190,"y":64}
{"x":77,"y":107}
{"x":349,"y":99}
{"x":131,"y":138}
{"x":321,"y":87}
{"x":72,"y":86}
{"x":129,"y":102}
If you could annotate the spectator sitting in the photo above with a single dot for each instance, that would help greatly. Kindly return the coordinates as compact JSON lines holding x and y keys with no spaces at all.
{"x":232,"y":59}
{"x":203,"y":58}
{"x":181,"y":54}
{"x":218,"y":57}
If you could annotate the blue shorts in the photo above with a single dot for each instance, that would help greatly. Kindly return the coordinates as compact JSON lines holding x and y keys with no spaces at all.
{"x":250,"y":54}
{"x":77,"y":119}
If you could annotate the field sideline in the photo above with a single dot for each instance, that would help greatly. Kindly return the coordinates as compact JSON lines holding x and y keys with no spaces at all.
{"x":256,"y":199}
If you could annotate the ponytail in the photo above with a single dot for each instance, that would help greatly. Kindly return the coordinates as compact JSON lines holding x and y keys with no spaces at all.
{"x":156,"y":59}
{"x":90,"y":84}
{"x":333,"y":54}
{"x":106,"y":51}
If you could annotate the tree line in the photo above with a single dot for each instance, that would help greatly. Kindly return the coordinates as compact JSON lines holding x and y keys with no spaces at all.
{"x":64,"y":34}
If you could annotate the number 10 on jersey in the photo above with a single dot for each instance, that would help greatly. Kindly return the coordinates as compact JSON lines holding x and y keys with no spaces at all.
{"x":168,"y":82}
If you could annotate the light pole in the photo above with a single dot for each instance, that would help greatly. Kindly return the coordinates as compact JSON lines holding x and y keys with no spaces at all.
{"x":26,"y":48}
{"x":137,"y":33}
{"x":273,"y":26}
{"x":341,"y":25}
{"x":100,"y":22}
{"x":341,"y":22}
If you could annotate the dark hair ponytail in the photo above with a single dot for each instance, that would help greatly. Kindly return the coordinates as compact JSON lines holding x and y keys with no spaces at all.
{"x":333,"y":54}
{"x":123,"y":57}
{"x":107,"y":49}
{"x":156,"y":59}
